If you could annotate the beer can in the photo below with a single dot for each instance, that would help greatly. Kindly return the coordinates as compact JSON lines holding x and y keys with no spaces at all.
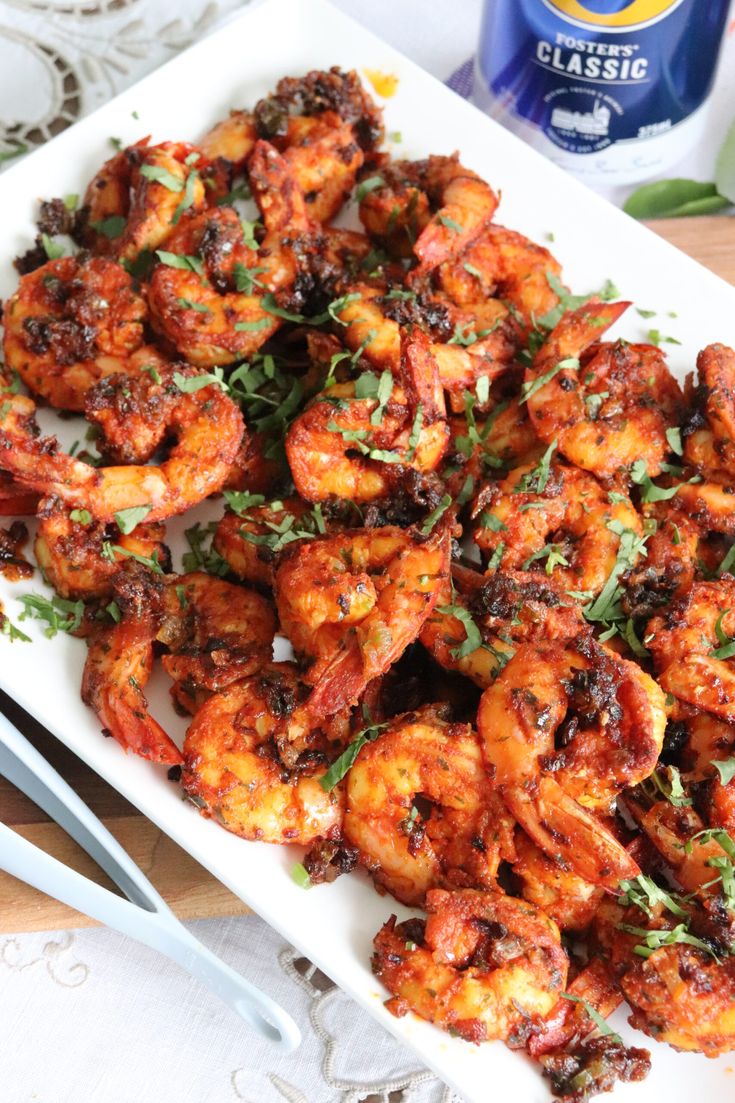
{"x":615,"y":91}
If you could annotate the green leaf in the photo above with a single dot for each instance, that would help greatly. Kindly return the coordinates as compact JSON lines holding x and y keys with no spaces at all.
{"x":535,"y":481}
{"x":450,"y":223}
{"x":674,"y":199}
{"x":646,"y":894}
{"x":189,"y":304}
{"x":248,"y":233}
{"x":595,"y":1016}
{"x":472,"y":270}
{"x":553,"y":555}
{"x":347,"y":759}
{"x":60,"y":614}
{"x":473,"y":636}
{"x":725,"y":166}
{"x":673,"y":436}
{"x":369,"y":185}
{"x":529,"y":389}
{"x":113,"y":609}
{"x":109,"y":551}
{"x":490,"y":521}
{"x":655,"y":939}
{"x":725,"y":768}
{"x":81,"y":516}
{"x":188,"y":197}
{"x":725,"y":566}
{"x":415,"y":434}
{"x":128,"y":519}
{"x":269,"y":303}
{"x":190,"y":384}
{"x":111,"y":227}
{"x":53,"y":249}
{"x":606,"y":605}
{"x":252,"y":327}
{"x":726,"y":650}
{"x":246,"y":279}
{"x":656,"y":337}
{"x":176,"y":260}
{"x":435,"y":514}
{"x":160,"y":175}
{"x":300,"y":875}
{"x":7,"y":628}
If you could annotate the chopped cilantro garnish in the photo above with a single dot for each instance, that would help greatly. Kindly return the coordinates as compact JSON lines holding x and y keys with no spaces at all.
{"x":160,"y":175}
{"x":366,"y":186}
{"x":726,"y":650}
{"x":529,"y":389}
{"x":60,"y":614}
{"x":427,"y":526}
{"x":176,"y":260}
{"x":128,"y":519}
{"x":595,"y":1016}
{"x":347,"y":759}
{"x":111,"y":227}
{"x":109,"y":551}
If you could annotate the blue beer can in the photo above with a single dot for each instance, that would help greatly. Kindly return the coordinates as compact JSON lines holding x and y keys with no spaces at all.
{"x":614,"y":91}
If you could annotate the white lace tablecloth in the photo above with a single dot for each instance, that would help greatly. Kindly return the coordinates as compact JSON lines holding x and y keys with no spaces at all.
{"x":89,"y":1015}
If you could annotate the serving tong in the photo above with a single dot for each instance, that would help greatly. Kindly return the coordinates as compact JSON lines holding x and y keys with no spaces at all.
{"x":144,"y":915}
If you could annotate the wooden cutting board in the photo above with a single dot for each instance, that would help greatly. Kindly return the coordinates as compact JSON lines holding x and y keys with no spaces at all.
{"x":188,"y":888}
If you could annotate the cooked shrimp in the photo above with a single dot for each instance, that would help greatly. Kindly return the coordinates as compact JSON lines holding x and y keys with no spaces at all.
{"x":680,"y":993}
{"x":569,"y":1021}
{"x":612,"y":739}
{"x":712,"y":741}
{"x":421,"y":810}
{"x":119,"y":664}
{"x":606,"y":410}
{"x":139,"y":194}
{"x":564,"y":896}
{"x":208,"y":426}
{"x":232,"y":771}
{"x":567,"y":527}
{"x":686,"y":640}
{"x":216,"y":311}
{"x":336,"y":90}
{"x":216,"y":633}
{"x":712,"y":448}
{"x":501,"y":437}
{"x":324,"y":157}
{"x":70,"y":323}
{"x":483,"y":966}
{"x":233,"y":139}
{"x":673,"y":554}
{"x":506,"y":265}
{"x":356,"y":448}
{"x":80,"y":557}
{"x":382,"y":585}
{"x":250,"y":539}
{"x":462,"y":203}
{"x":466,"y":345}
{"x":506,"y":609}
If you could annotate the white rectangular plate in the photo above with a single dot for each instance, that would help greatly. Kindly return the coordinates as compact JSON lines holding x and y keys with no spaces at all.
{"x":334,"y":925}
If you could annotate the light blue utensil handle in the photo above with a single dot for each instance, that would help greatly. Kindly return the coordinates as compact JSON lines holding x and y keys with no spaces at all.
{"x":144,"y":916}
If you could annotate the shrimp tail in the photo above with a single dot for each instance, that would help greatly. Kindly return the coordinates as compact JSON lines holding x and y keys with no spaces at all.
{"x":419,"y":375}
{"x":276,"y":190}
{"x":570,"y":835}
{"x":126,"y":717}
{"x":578,"y":329}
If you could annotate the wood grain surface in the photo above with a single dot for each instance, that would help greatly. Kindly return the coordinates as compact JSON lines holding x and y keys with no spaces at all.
{"x":185,"y":885}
